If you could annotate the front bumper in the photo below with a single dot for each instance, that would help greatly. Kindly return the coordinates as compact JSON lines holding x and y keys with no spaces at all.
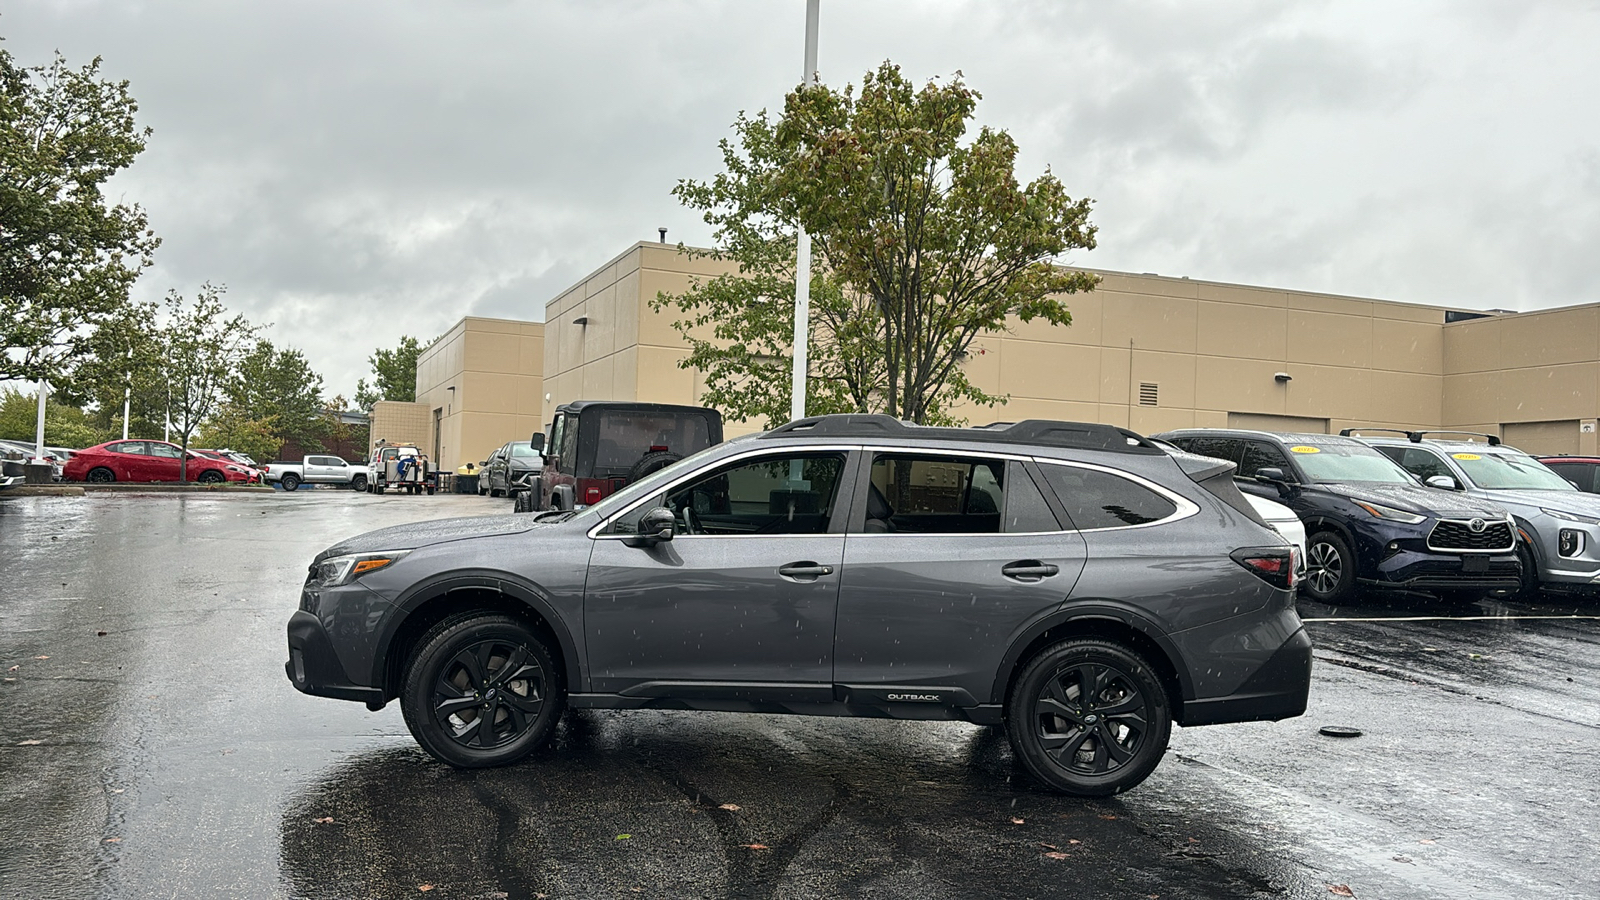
{"x":314,"y":668}
{"x":1429,"y":571}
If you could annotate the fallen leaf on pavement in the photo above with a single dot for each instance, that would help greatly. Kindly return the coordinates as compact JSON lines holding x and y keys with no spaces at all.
{"x":41,"y":657}
{"x":730,"y":807}
{"x":325,"y":820}
{"x":757,"y":847}
{"x":1427,"y":841}
{"x":624,"y":837}
{"x":1341,"y":890}
{"x":1048,"y":846}
{"x":29,"y":743}
{"x":424,"y":887}
{"x":1105,"y":816}
{"x":1404,"y":859}
{"x":14,"y":669}
{"x":1016,"y":820}
{"x":1074,"y":841}
{"x":112,"y":841}
{"x":1055,"y":854}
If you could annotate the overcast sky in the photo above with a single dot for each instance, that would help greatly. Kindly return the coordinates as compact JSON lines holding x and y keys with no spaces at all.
{"x":355,"y":171}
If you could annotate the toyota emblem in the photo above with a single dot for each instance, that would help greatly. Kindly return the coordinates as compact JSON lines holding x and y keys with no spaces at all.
{"x":1476,"y":526}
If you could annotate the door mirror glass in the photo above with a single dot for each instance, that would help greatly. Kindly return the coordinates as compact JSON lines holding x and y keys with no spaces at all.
{"x":537,"y":441}
{"x":1270,"y":473}
{"x":658,"y":524}
{"x":1443,"y":482}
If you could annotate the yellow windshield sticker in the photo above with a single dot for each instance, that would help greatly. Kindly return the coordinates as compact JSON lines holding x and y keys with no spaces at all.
{"x":1304,"y":449}
{"x":1469,"y":457}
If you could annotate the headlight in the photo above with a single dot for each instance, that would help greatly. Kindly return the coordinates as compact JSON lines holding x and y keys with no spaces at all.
{"x":1391,"y":514}
{"x":234,"y":469}
{"x":337,"y":570}
{"x":1570,"y":517}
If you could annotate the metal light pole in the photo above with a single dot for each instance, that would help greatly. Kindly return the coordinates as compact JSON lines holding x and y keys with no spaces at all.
{"x":802,"y":265}
{"x":127,"y":395}
{"x":38,"y":435}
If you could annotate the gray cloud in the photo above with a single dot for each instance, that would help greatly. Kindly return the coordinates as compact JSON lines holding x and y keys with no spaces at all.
{"x":360,"y":170}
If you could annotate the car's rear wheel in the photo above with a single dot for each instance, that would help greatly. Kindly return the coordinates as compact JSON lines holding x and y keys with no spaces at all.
{"x":1089,"y":717}
{"x":1330,"y":569}
{"x":100,"y":475}
{"x":291,"y":481}
{"x":211,"y":476}
{"x":482,"y":690}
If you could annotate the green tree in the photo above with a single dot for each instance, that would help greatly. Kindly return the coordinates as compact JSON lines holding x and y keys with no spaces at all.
{"x":233,"y":428}
{"x":202,"y":349}
{"x":394,"y":374}
{"x":64,"y":425}
{"x":279,"y":387}
{"x":122,"y":357}
{"x":924,"y":240}
{"x":67,"y":255}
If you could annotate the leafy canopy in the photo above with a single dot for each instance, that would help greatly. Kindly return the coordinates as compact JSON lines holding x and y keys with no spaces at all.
{"x":67,"y":255}
{"x":202,"y":349}
{"x":394,"y":374}
{"x":924,"y":239}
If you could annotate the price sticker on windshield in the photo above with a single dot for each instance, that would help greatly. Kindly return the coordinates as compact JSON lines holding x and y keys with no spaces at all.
{"x":1466,"y":457}
{"x":1304,"y":449}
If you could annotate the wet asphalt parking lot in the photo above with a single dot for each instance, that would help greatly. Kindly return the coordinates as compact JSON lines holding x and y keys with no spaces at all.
{"x":150,"y":746}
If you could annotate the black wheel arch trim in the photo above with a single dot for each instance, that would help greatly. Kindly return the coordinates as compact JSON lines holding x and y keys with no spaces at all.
{"x":490,"y":580}
{"x":1088,"y":612}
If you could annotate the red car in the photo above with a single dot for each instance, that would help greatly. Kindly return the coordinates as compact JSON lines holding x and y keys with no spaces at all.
{"x":252,"y":474}
{"x":143,"y":461}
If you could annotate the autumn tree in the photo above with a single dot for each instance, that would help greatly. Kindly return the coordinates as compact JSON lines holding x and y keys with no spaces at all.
{"x":67,"y":255}
{"x":924,"y":239}
{"x":394,"y":374}
{"x":202,"y":347}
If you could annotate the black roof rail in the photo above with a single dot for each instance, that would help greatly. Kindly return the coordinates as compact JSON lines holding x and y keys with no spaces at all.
{"x":1414,"y":437}
{"x":1037,"y":432}
{"x":1494,"y":440}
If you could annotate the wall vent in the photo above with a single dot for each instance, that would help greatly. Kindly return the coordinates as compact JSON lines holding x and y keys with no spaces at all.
{"x":1148,"y":393}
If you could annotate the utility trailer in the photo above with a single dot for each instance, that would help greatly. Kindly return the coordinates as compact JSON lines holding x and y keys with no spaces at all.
{"x":401,"y":467}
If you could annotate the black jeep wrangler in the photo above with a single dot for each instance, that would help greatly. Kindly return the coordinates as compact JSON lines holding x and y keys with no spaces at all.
{"x":596,"y":447}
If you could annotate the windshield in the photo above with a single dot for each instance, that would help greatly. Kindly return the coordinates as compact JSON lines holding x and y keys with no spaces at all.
{"x":1341,"y":462}
{"x":1501,"y":471}
{"x":524,"y":451}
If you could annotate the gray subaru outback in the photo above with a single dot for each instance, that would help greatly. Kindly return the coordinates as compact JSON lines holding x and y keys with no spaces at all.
{"x":1074,"y":583}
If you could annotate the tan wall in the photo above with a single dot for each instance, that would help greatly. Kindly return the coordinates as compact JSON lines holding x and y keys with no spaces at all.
{"x":495,"y":367}
{"x":1211,"y":351}
{"x":397,"y":422}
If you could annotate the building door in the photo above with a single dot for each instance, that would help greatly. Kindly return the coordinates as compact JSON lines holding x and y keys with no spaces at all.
{"x":1543,"y":438}
{"x":438,"y":414}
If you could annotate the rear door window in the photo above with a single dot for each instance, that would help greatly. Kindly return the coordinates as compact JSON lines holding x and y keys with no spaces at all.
{"x":1096,"y":499}
{"x":927,"y":494}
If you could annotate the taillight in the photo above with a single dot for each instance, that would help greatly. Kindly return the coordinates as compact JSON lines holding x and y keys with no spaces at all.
{"x":1274,"y":565}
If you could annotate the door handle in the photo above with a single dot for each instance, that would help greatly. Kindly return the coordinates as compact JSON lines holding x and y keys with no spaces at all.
{"x":1029,"y":570}
{"x":804,"y":571}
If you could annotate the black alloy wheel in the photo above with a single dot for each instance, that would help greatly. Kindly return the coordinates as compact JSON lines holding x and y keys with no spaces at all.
{"x":1330,"y":569}
{"x":100,"y":475}
{"x":1089,"y":717}
{"x":211,"y":476}
{"x":291,"y":481}
{"x":483,"y":690}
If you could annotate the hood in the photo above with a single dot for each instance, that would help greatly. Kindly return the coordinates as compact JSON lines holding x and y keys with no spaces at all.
{"x":1567,"y":501}
{"x":422,"y":534}
{"x":1416,"y":499}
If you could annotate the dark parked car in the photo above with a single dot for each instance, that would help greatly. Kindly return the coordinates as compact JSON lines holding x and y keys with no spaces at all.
{"x":1073,"y":582}
{"x":1579,"y":471}
{"x":507,"y":471}
{"x":596,"y":447}
{"x":1367,"y":520}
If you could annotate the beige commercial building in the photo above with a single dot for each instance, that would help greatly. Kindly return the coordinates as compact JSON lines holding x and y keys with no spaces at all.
{"x":1144,"y":351}
{"x":479,"y":385}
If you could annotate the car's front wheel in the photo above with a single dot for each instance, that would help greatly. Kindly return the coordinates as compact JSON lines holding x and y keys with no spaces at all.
{"x":1089,"y":717}
{"x":359,"y":483}
{"x":212,"y":476}
{"x":1330,"y":569}
{"x":482,"y":691}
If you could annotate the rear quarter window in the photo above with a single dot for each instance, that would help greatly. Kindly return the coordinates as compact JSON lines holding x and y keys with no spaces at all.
{"x":1096,"y":499}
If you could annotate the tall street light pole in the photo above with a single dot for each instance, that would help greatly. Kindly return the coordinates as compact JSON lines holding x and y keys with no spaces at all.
{"x":802,"y":265}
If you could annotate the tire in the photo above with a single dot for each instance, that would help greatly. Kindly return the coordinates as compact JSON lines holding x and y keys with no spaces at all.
{"x":535,"y":494}
{"x":1330,"y":569}
{"x":1072,"y":746}
{"x":1529,"y":588}
{"x":211,"y":476}
{"x":359,"y":483}
{"x":522,"y":502}
{"x":291,"y":481}
{"x":380,"y":488}
{"x":100,"y":475}
{"x":482,"y":484}
{"x":458,"y":679}
{"x":651,"y":463}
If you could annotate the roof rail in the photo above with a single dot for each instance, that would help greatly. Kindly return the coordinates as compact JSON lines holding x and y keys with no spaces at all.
{"x":1494,"y":440}
{"x":1037,"y":432}
{"x":1414,"y":437}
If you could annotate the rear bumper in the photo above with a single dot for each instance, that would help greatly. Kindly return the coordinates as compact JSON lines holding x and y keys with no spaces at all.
{"x":1277,"y":690}
{"x":313,"y":667}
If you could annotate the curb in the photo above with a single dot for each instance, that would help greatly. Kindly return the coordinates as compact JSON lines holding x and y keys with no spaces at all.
{"x":42,"y":490}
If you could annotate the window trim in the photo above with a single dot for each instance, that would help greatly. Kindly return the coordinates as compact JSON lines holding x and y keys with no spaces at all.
{"x":1185,"y":506}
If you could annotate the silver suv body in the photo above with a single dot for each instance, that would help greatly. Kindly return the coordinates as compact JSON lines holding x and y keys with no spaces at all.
{"x":1558,"y":526}
{"x":1072,"y":582}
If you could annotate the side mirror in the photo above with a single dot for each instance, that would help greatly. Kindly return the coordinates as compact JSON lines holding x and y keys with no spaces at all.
{"x":656,"y":525}
{"x":537,"y":441}
{"x":1443,"y":482}
{"x":1271,"y":473}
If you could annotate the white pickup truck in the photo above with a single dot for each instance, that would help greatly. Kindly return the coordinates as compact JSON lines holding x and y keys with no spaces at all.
{"x":315,"y":470}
